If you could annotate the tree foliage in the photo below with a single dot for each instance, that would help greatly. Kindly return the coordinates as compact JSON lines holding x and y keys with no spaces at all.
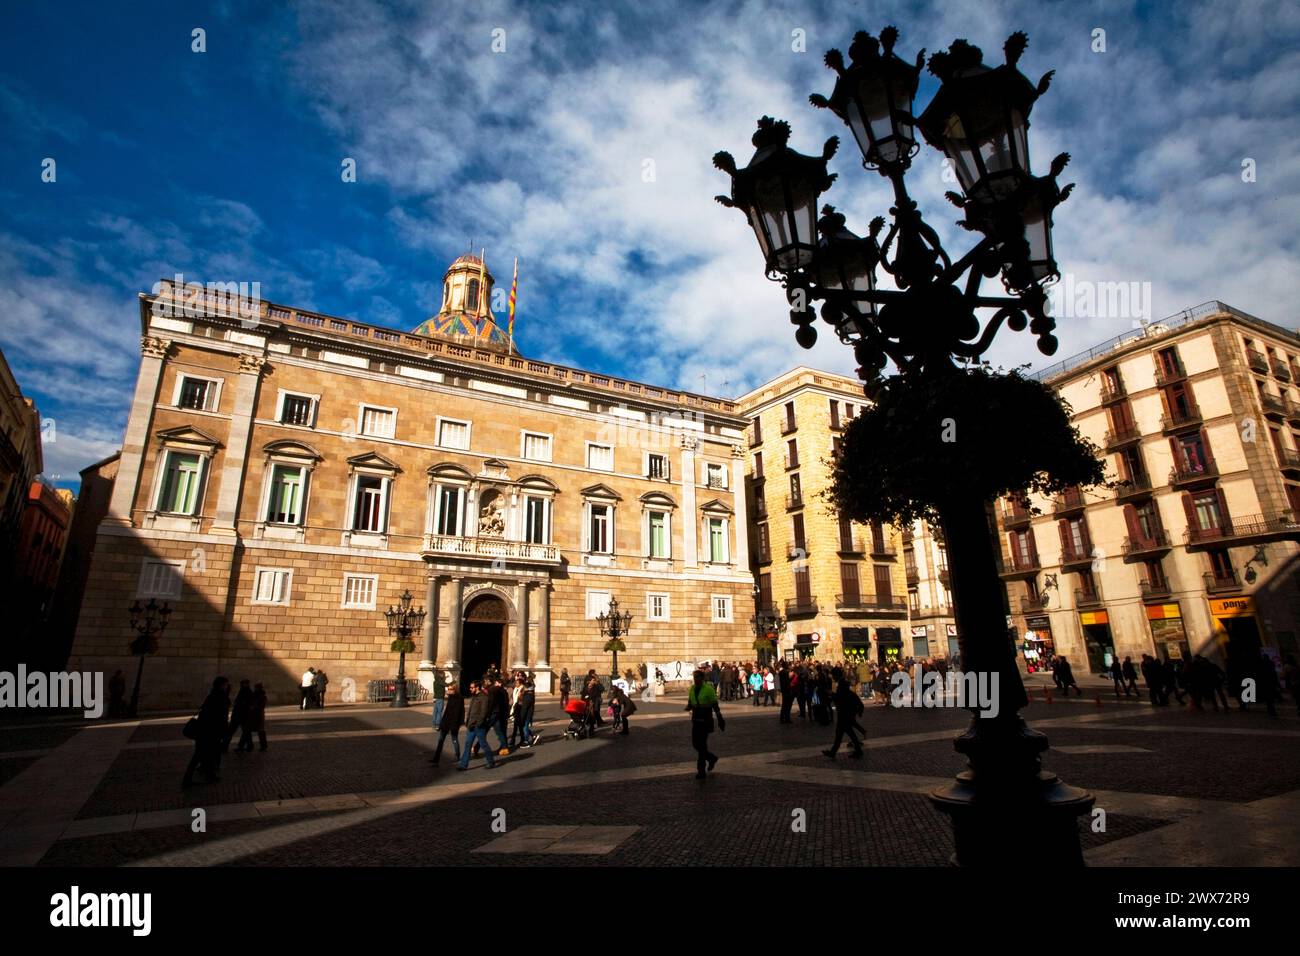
{"x":974,"y":432}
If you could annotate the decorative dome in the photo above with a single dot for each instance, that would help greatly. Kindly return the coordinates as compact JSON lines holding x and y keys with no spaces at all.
{"x":466,"y":312}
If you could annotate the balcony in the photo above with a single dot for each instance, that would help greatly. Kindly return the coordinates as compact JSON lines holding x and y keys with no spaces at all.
{"x":1017,"y":568}
{"x":838,"y":424}
{"x":797,"y":551}
{"x":1152,"y":589}
{"x":1076,"y":557}
{"x":1281,"y":371}
{"x":1185,"y":473}
{"x":1031,"y":605}
{"x":788,"y":425}
{"x":1217,"y":584}
{"x":1273,"y":405}
{"x":870,"y":603}
{"x":883,"y":549}
{"x":907,"y":536}
{"x":1176,"y":420}
{"x":1168,"y":376}
{"x":1293,"y":412}
{"x":764,"y":556}
{"x":1289,"y":459}
{"x":791,"y":463}
{"x":1112,"y":393}
{"x":1120,"y":437}
{"x":1131,"y":488}
{"x":937,"y":610}
{"x":490,"y":549}
{"x":946,"y":577}
{"x":800,"y":607}
{"x":1257,"y":361}
{"x":1015,"y":516}
{"x":1085,"y":598}
{"x":1252,"y":529}
{"x":1157,"y":543}
{"x":1071,"y":502}
{"x":755,"y":438}
{"x":912,"y":574}
{"x":760,"y":506}
{"x":793,"y":501}
{"x":850,"y":545}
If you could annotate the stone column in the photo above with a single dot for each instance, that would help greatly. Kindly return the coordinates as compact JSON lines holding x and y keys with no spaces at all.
{"x":519,"y":643}
{"x":153,"y":353}
{"x":740,"y":522}
{"x":241,"y":429}
{"x":542,"y":668}
{"x":691,"y":557}
{"x":429,"y":655}
{"x":455,"y":626}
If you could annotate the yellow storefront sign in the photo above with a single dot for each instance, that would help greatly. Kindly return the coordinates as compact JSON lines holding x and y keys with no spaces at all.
{"x":1094,"y":617}
{"x":1233,"y":607}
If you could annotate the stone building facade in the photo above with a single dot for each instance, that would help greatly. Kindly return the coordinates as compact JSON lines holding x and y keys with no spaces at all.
{"x":285,"y":476}
{"x":839,"y":586}
{"x":932,"y":625}
{"x":1196,"y":551}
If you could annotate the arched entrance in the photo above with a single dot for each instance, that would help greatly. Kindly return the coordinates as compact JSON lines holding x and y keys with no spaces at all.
{"x":483,"y":639}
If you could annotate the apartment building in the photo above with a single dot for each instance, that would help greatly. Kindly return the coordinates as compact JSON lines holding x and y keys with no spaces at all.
{"x":1197,"y":550}
{"x":839,"y":586}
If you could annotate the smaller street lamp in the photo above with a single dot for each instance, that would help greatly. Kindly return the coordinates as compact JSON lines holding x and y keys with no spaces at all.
{"x":403,"y":621}
{"x":148,"y":621}
{"x":614,"y":626}
{"x":767,"y":624}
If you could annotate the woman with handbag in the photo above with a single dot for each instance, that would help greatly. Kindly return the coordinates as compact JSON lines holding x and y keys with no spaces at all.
{"x":208,"y":729}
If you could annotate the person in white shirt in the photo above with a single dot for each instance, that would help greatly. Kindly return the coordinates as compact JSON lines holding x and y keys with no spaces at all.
{"x":308,"y":687}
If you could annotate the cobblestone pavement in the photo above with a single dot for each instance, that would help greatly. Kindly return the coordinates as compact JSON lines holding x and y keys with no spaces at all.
{"x":348,"y":784}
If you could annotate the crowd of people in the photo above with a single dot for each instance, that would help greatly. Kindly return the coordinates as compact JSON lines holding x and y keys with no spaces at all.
{"x":500,"y":703}
{"x":215,"y":726}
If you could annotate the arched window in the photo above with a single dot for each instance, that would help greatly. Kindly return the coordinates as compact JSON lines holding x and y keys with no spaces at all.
{"x":471,"y":300}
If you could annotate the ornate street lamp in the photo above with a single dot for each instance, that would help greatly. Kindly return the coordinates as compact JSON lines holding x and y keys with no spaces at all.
{"x":403,"y":621}
{"x":614,"y":626}
{"x":767,"y":625}
{"x":148,"y":621}
{"x":927,"y":327}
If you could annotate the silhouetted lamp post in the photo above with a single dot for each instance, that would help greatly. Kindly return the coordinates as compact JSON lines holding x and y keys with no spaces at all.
{"x":148,"y":621}
{"x":614,"y":626}
{"x":979,"y":118}
{"x":403,"y":621}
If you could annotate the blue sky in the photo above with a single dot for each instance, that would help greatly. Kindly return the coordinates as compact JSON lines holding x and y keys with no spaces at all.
{"x":225,"y":165}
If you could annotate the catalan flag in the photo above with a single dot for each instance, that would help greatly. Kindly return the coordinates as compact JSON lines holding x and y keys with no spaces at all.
{"x":514,"y":289}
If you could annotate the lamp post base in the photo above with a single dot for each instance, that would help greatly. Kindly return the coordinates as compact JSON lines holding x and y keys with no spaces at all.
{"x":1005,"y":792}
{"x":399,"y":692}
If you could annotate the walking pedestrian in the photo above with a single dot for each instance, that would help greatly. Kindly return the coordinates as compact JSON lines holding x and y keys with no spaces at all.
{"x":439,"y":694}
{"x":702,"y":702}
{"x":307,"y":687}
{"x":566,"y":685}
{"x":769,"y":687}
{"x":848,"y":707}
{"x":480,"y":716}
{"x":592,"y":694}
{"x":239,"y":714}
{"x":210,"y":731}
{"x":501,"y":711}
{"x":1065,"y":673}
{"x":1173,"y":676}
{"x":756,"y":687}
{"x":786,"y":682}
{"x":1130,"y":676}
{"x":255,"y":722}
{"x":449,"y":723}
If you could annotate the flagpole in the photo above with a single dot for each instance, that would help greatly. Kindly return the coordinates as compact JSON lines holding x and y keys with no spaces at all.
{"x":482,"y":292}
{"x":514,"y":288}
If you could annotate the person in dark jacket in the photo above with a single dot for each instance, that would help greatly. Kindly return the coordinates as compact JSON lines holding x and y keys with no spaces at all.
{"x":501,"y":711}
{"x":212,"y":718}
{"x":255,"y":721}
{"x":626,"y":707}
{"x":1173,"y":679}
{"x":592,"y":694}
{"x":566,"y":685}
{"x":1130,"y":676}
{"x":785,"y":683}
{"x":449,"y":724}
{"x":238,"y":715}
{"x":1065,"y":673}
{"x":848,"y":707}
{"x":825,"y":692}
{"x":527,"y":704}
{"x":1117,"y":675}
{"x":480,"y":715}
{"x":1154,"y":680}
{"x":322,"y":681}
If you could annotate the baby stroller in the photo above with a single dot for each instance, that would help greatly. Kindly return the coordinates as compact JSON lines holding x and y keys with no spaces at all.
{"x":581,"y":723}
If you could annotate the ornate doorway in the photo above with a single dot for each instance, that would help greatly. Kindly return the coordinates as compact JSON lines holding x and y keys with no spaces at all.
{"x":483,"y":639}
